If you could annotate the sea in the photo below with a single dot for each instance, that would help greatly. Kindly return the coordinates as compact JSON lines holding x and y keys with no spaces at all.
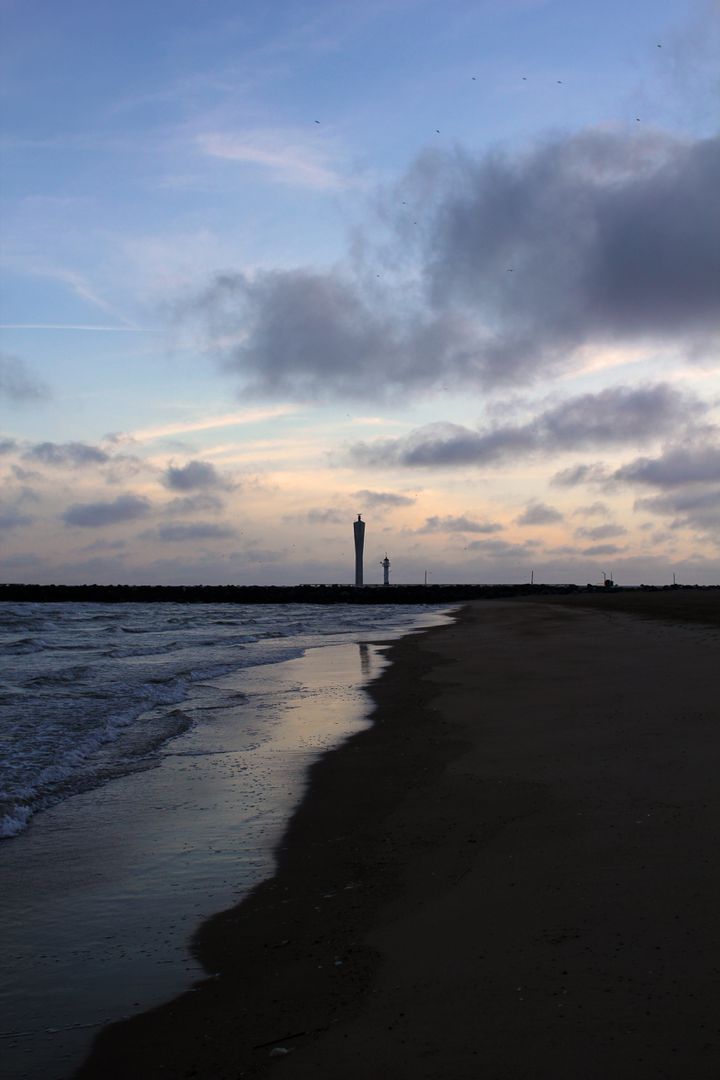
{"x":150,"y":758}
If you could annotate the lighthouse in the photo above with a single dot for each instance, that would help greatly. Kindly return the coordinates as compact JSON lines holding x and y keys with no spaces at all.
{"x":386,"y":570}
{"x":359,"y":531}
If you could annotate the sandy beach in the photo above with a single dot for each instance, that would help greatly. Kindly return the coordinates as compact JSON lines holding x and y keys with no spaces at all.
{"x":511,"y":874}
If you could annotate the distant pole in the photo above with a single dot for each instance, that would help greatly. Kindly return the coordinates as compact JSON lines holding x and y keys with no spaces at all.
{"x":532,"y":577}
{"x":359,"y":531}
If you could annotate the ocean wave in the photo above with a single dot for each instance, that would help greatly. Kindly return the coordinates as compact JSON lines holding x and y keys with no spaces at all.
{"x":14,"y":819}
{"x":107,"y":686}
{"x":25,"y":645}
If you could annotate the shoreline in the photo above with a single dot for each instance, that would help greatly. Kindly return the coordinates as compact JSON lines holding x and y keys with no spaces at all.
{"x":124,"y":872}
{"x":524,"y":888}
{"x":313,"y":848}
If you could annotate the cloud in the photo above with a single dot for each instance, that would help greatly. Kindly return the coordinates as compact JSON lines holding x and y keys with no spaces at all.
{"x":306,"y":335}
{"x":538,"y":513}
{"x":601,"y":532}
{"x":190,"y":477}
{"x":377,"y":500}
{"x":187,"y":531}
{"x":458,"y":524}
{"x":593,"y":509}
{"x":202,"y":503}
{"x":676,"y":466}
{"x":288,"y":156}
{"x":13,"y":519}
{"x":104,"y":545}
{"x":7,"y":445}
{"x":592,"y":238}
{"x":597,"y":473}
{"x":503,"y":549}
{"x":124,"y":508}
{"x":245,"y":416}
{"x":92,"y":327}
{"x":17,"y":383}
{"x":693,"y":509}
{"x":511,"y":264}
{"x":73,"y":453}
{"x":612,"y":417}
{"x":326,"y":516}
{"x":602,"y":549}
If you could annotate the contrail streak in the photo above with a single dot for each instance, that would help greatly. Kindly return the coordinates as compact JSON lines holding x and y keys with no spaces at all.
{"x":79,"y":326}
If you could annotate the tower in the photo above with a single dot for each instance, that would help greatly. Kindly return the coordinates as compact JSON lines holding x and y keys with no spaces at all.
{"x":359,"y":530}
{"x":386,"y":570}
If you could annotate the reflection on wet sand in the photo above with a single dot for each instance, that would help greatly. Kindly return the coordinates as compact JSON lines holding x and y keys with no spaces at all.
{"x":364,"y":659}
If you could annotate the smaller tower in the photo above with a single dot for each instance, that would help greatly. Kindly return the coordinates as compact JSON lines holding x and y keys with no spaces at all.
{"x":386,"y":570}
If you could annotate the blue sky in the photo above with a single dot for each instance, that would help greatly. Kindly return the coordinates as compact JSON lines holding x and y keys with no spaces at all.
{"x":452,"y":266}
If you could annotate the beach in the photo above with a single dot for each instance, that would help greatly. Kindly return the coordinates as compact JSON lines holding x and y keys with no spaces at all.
{"x":512,"y":873}
{"x":152,"y":756}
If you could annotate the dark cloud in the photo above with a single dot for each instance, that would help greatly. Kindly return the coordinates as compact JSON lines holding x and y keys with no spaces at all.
{"x":23,"y":474}
{"x":458,"y":524}
{"x":597,"y":473}
{"x":596,"y":237}
{"x":612,"y":417}
{"x":7,"y":445}
{"x":312,"y":335}
{"x":124,"y":508}
{"x":538,"y":513}
{"x":202,"y":503}
{"x":503,"y":549}
{"x":13,"y":519}
{"x":601,"y":532}
{"x":193,"y":476}
{"x":17,"y":383}
{"x":184,"y":531}
{"x":376,"y":500}
{"x":698,"y":509}
{"x":518,"y":260}
{"x":104,"y":545}
{"x":327,"y":515}
{"x":675,"y":467}
{"x":72,"y":453}
{"x":599,"y":509}
{"x":602,"y":549}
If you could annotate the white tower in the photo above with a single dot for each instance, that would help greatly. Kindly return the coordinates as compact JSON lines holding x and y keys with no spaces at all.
{"x":386,"y":570}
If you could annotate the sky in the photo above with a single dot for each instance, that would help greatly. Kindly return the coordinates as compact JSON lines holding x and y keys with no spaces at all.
{"x":451,"y":265}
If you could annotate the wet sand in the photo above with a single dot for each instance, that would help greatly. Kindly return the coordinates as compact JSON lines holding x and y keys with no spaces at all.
{"x":512,"y":874}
